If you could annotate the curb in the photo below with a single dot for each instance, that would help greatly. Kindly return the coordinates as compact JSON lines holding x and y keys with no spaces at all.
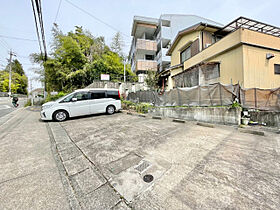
{"x":259,"y":133}
{"x":157,"y":117}
{"x":178,"y":120}
{"x":206,"y":125}
{"x":141,"y":115}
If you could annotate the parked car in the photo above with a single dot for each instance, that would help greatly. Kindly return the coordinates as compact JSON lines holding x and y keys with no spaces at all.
{"x":82,"y":102}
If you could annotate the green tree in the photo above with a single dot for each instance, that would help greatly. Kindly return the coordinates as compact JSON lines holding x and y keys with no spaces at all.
{"x":117,"y":45}
{"x":19,"y":80}
{"x":77,"y":58}
{"x":152,"y":80}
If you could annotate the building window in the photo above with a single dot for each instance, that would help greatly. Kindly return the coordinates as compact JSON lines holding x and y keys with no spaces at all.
{"x":211,"y":71}
{"x":149,"y":57}
{"x":185,"y":54}
{"x":276,"y":68}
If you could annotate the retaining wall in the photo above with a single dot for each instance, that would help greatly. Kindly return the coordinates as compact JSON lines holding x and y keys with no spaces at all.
{"x":217,"y":115}
{"x":271,"y":118}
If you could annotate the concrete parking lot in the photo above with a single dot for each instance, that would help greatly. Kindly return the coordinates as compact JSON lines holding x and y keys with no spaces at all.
{"x":193,"y":167}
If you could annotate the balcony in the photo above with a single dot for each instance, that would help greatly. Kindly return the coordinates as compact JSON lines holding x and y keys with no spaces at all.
{"x":146,"y":65}
{"x":146,"y":45}
{"x":162,"y":57}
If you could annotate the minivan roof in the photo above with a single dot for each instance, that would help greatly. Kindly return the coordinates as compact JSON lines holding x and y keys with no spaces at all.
{"x":91,"y":89}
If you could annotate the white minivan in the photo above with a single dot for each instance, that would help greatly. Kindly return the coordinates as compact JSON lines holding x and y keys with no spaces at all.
{"x":82,"y":102}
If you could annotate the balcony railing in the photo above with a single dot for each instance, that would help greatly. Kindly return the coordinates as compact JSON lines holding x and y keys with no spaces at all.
{"x":144,"y":44}
{"x":146,"y":65}
{"x":161,"y":56}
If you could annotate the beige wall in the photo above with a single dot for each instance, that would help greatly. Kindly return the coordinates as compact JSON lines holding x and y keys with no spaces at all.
{"x":146,"y":65}
{"x":219,"y":47}
{"x":258,"y":71}
{"x":175,"y":58}
{"x":231,"y":66}
{"x":260,"y":39}
{"x":239,"y":62}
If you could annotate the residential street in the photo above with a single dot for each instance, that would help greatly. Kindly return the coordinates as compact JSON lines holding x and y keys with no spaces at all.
{"x":29,"y":177}
{"x":6,"y":106}
{"x":98,"y":162}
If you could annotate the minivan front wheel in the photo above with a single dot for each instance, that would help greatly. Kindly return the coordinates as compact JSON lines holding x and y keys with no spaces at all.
{"x":110,"y":109}
{"x":60,"y":115}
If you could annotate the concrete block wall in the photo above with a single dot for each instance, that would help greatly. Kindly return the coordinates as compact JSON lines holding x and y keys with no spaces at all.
{"x":217,"y":115}
{"x":271,"y":118}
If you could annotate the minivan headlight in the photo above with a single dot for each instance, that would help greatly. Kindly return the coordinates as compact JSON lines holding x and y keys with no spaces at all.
{"x":47,"y":106}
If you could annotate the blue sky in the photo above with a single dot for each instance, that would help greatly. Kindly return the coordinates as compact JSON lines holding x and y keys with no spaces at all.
{"x":17,"y":18}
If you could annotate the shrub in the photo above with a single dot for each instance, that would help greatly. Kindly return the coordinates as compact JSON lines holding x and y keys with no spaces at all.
{"x":28,"y":103}
{"x":55,"y":97}
{"x":235,"y":104}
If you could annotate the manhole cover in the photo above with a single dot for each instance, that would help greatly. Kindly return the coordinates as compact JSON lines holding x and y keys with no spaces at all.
{"x":142,"y":166}
{"x":148,"y":178}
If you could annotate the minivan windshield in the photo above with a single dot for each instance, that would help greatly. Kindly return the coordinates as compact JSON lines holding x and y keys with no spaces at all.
{"x":66,"y":98}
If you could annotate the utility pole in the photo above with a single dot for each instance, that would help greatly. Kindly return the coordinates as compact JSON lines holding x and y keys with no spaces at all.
{"x":124,"y":77}
{"x":10,"y":73}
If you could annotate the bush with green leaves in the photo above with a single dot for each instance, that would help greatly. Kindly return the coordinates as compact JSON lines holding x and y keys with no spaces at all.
{"x":55,"y":97}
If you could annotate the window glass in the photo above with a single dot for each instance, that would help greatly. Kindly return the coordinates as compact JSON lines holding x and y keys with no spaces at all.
{"x":149,"y":57}
{"x":81,"y":96}
{"x":186,"y":54}
{"x":113,"y":94}
{"x":67,"y":99}
{"x":276,"y":68}
{"x":97,"y":95}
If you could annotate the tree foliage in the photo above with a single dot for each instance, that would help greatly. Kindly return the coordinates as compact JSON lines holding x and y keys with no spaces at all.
{"x":117,"y":45}
{"x":152,"y":80}
{"x":77,"y":59}
{"x":19,"y":79}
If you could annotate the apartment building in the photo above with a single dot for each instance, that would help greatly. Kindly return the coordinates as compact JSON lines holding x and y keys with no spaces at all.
{"x":245,"y":51}
{"x":153,"y":36}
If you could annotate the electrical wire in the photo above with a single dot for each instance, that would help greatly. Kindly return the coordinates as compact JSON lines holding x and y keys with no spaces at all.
{"x":57,"y":11}
{"x":91,"y":15}
{"x":36,"y":24}
{"x":39,"y":9}
{"x":2,"y":43}
{"x":18,"y":38}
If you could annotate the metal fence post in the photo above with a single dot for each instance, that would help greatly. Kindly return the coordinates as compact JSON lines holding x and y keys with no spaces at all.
{"x":220,"y":90}
{"x":256,"y":98}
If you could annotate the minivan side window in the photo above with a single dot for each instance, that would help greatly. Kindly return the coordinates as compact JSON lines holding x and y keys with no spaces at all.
{"x":97,"y":95}
{"x":113,"y":94}
{"x":81,"y":96}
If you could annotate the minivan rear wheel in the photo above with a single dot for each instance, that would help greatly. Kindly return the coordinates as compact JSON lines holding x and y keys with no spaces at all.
{"x":60,"y":115}
{"x":110,"y":109}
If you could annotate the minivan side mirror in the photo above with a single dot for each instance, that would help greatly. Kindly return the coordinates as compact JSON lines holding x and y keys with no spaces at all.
{"x":74,"y":99}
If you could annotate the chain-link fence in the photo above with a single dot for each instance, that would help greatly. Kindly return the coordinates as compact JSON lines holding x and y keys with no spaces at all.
{"x":212,"y":95}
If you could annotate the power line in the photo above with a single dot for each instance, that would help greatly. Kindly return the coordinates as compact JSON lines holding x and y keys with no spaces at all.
{"x":39,"y":10}
{"x":18,"y":38}
{"x":101,"y":21}
{"x":57,"y":11}
{"x":2,"y":43}
{"x":5,"y":44}
{"x":36,"y":24}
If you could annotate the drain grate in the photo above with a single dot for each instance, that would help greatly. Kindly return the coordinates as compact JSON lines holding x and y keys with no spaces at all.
{"x":142,"y":166}
{"x":148,"y":178}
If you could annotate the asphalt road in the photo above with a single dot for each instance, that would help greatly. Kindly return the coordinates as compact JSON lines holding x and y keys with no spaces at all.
{"x":6,"y":105}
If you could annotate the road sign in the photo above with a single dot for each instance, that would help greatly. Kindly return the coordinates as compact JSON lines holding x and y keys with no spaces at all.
{"x":105,"y":77}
